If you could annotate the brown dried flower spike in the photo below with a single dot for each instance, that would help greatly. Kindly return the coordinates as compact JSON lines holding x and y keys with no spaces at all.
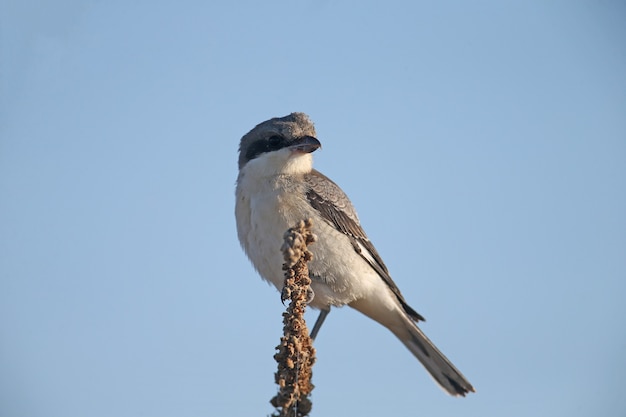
{"x":296,"y":353}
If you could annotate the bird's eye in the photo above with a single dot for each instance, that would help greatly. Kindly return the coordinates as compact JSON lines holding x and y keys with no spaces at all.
{"x":273,"y":143}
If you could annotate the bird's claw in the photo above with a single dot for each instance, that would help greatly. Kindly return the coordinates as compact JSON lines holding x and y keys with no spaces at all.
{"x":285,"y":295}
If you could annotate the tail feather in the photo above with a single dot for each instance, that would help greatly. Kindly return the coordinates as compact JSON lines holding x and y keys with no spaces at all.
{"x":387,"y":311}
{"x":440,"y":368}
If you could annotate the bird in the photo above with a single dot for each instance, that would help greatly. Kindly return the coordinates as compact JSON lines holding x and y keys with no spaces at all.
{"x":276,"y":188}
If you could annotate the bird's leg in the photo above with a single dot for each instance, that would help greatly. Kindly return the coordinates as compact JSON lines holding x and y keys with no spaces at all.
{"x":320,"y":320}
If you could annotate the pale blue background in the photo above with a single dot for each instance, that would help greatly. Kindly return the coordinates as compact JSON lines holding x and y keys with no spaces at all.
{"x":483,"y":143}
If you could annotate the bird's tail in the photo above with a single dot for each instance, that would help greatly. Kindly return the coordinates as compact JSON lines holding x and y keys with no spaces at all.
{"x":394,"y":317}
{"x":439,"y":367}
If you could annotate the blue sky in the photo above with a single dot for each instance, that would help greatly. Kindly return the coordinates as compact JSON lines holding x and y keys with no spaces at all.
{"x":483,"y":144}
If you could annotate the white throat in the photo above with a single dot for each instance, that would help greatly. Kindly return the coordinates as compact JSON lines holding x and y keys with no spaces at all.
{"x":281,"y":162}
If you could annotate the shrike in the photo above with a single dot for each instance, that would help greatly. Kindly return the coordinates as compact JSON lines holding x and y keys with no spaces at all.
{"x":276,"y":188}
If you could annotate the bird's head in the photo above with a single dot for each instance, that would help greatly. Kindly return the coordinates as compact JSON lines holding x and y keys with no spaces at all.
{"x":280,"y":145}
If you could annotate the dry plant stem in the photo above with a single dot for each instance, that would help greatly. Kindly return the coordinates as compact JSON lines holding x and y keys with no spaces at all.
{"x":296,"y":354}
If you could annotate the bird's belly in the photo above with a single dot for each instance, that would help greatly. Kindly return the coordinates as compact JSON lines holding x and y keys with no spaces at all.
{"x":339,"y":275}
{"x":265,"y":239}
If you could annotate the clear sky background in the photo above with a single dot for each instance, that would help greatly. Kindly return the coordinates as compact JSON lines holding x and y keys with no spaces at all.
{"x":483,"y":144}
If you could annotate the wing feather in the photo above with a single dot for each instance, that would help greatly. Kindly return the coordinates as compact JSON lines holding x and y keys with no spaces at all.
{"x":334,"y":206}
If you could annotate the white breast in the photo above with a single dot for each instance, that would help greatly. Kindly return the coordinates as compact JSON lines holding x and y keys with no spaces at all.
{"x":266,"y":206}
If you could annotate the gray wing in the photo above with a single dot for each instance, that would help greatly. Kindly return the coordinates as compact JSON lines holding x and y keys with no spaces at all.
{"x":334,"y":206}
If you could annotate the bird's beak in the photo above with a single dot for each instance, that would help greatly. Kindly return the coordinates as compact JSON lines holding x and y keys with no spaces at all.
{"x":305,"y":144}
